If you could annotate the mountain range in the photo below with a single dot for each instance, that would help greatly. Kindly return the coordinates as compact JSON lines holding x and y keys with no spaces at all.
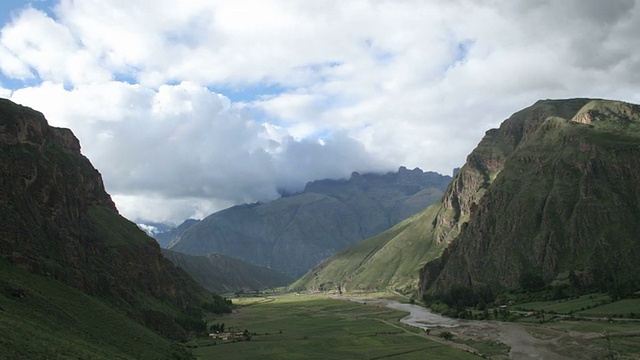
{"x":295,"y":232}
{"x":553,"y":191}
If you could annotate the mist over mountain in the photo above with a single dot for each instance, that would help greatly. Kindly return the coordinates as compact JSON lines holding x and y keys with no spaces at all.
{"x":295,"y":232}
{"x":554,"y":190}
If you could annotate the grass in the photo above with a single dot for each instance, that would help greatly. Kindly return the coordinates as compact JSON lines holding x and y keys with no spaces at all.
{"x":621,"y":337}
{"x":41,"y":318}
{"x":390,"y":260}
{"x":113,"y":230}
{"x":566,"y":306}
{"x":491,"y":349}
{"x":307,"y":327}
{"x":623,"y":308}
{"x":590,"y":305}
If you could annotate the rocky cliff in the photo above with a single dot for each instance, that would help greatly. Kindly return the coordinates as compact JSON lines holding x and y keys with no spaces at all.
{"x":57,"y":220}
{"x":555,"y":189}
{"x":561,"y":195}
{"x":294,"y":233}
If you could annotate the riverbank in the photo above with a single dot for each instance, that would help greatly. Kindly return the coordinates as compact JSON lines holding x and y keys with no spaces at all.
{"x":525,"y":341}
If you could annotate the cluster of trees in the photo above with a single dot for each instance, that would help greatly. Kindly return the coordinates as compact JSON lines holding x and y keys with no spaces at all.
{"x":532,"y":286}
{"x":461,"y":297}
{"x":192,"y":321}
{"x":217,"y":328}
{"x":218,"y":305}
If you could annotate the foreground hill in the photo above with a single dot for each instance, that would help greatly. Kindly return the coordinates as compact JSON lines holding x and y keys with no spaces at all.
{"x":57,"y":221}
{"x":555,"y":189}
{"x":223,"y":274}
{"x":294,"y":233}
{"x":563,"y":198}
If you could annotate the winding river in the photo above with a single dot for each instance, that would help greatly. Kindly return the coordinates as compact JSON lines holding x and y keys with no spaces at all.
{"x":419,"y":316}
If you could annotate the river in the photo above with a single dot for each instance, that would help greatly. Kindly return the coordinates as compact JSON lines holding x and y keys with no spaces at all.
{"x":419,"y":316}
{"x":556,"y":345}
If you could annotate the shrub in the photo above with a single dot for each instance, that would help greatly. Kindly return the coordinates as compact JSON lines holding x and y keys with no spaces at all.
{"x":447,"y":335}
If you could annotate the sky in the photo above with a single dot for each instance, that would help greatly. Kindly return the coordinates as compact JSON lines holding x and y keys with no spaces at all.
{"x":189,"y":107}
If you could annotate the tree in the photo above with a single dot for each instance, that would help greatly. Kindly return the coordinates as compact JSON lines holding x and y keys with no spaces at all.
{"x":447,"y":335}
{"x":530,"y":281}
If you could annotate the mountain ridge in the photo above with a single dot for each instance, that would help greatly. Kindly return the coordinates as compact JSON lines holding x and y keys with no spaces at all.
{"x":329,"y":215}
{"x":582,"y":199}
{"x":57,"y":221}
{"x":440,"y":226}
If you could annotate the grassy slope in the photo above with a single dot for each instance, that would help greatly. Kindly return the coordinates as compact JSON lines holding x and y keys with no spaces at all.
{"x":224,"y":274}
{"x":55,"y":321}
{"x":392,"y":259}
{"x":312,"y":328}
{"x":389,"y":260}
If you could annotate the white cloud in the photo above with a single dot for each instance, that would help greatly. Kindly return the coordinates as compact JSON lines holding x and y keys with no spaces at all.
{"x":387,"y":83}
{"x":184,"y":145}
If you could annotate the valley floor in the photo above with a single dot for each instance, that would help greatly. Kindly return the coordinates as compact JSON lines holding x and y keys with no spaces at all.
{"x":323,"y":327}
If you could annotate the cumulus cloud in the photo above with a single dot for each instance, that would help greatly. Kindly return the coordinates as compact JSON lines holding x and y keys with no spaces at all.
{"x":309,"y":89}
{"x":188,"y":148}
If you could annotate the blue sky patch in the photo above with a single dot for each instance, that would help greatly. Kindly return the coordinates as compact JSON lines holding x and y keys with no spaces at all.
{"x":249,"y":93}
{"x":9,"y":7}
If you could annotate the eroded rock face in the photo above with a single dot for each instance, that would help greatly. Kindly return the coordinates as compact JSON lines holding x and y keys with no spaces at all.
{"x":57,"y":220}
{"x":545,"y":194}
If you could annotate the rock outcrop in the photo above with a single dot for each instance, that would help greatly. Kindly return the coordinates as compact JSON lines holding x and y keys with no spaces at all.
{"x":562,"y":195}
{"x":555,"y":189}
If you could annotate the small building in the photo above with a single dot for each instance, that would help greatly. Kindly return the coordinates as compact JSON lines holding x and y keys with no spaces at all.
{"x":229,"y":336}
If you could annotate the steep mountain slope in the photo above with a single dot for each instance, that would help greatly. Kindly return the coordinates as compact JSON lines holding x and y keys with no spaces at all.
{"x":224,"y":274}
{"x":294,"y":233}
{"x":552,"y":190}
{"x":567,"y":198}
{"x":42,"y":318}
{"x":57,"y":221}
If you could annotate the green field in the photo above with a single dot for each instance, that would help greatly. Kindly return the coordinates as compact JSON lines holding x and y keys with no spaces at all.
{"x":607,"y":322}
{"x":622,"y":308}
{"x":305,"y":327}
{"x":566,"y":306}
{"x":591,"y":305}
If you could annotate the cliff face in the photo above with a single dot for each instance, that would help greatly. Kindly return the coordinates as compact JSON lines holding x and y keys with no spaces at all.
{"x":57,"y":220}
{"x":554,"y":189}
{"x":294,"y":233}
{"x":558,"y":192}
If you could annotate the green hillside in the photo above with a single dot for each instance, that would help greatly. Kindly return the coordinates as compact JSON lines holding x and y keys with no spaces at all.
{"x":295,"y":232}
{"x":567,"y":199}
{"x":79,"y":280}
{"x":41,"y":318}
{"x":223,"y":274}
{"x":389,"y":260}
{"x":553,"y":190}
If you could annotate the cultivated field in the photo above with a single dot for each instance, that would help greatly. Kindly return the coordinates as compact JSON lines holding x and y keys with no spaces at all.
{"x":307,"y":327}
